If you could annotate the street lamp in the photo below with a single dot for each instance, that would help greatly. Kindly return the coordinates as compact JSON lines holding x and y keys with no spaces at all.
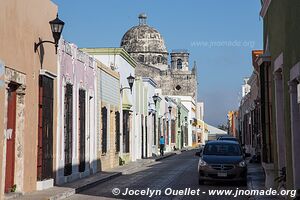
{"x":56,"y":27}
{"x":155,"y":98}
{"x":179,"y":113}
{"x":130,"y":80}
{"x":170,"y":109}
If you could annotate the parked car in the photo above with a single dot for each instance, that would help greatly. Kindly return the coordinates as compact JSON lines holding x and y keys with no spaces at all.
{"x":228,"y":138}
{"x":222,"y":160}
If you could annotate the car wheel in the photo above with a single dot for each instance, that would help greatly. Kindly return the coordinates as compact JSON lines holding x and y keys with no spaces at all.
{"x":200,"y":182}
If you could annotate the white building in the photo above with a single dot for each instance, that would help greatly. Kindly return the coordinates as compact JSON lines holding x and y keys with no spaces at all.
{"x":190,"y":104}
{"x":200,"y":111}
{"x":119,"y":60}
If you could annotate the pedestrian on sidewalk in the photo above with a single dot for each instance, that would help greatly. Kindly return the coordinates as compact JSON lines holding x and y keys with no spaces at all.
{"x":162,"y":145}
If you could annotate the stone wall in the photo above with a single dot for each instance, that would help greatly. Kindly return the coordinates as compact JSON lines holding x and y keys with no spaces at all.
{"x":183,"y":83}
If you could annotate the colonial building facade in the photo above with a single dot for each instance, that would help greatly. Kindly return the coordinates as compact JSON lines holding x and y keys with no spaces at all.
{"x":27,"y":95}
{"x":76,"y":114}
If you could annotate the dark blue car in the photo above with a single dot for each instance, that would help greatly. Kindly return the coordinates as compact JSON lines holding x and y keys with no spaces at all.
{"x":222,"y":160}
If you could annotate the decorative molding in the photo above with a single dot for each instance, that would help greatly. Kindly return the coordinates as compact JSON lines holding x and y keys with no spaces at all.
{"x":111,"y":51}
{"x":264,"y":9}
{"x":47,"y":73}
{"x":292,"y":86}
{"x":150,"y":80}
{"x":106,"y":69}
{"x":263,"y":58}
{"x":278,"y":63}
{"x":81,"y":56}
{"x":68,"y":48}
{"x":295,"y":72}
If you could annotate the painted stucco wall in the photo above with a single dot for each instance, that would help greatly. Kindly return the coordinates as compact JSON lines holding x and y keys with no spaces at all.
{"x":78,"y":69}
{"x":150,"y":88}
{"x":281,"y":32}
{"x":21,"y":24}
{"x":108,"y":95}
{"x":190,"y":104}
{"x":119,"y":60}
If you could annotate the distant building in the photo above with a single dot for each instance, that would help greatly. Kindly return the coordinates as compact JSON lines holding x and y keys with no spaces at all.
{"x":200,"y":111}
{"x":233,"y":124}
{"x":245,"y":87}
{"x":146,"y":45}
{"x":214,"y":133}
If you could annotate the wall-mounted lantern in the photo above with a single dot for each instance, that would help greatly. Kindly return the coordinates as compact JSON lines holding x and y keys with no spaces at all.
{"x":130,"y":80}
{"x":170,"y":109}
{"x":56,"y":27}
{"x":155,"y":99}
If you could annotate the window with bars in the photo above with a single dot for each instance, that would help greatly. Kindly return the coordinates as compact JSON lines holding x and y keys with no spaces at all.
{"x":167,"y":133}
{"x":104,"y":129}
{"x":81,"y":119}
{"x":159,"y":129}
{"x":146,"y":136}
{"x":117,"y":118}
{"x":173,"y":133}
{"x":154,"y":128}
{"x":126,"y":131}
{"x":68,"y":116}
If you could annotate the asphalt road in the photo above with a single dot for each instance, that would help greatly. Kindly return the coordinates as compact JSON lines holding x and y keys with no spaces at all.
{"x":175,"y":174}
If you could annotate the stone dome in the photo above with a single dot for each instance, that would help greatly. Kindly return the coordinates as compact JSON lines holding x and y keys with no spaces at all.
{"x":145,"y":43}
{"x":143,"y":38}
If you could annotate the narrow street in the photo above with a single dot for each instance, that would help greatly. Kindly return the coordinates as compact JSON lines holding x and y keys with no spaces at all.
{"x":146,"y":100}
{"x":177,"y":172}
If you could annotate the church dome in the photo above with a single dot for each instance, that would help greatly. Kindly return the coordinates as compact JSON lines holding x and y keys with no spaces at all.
{"x":145,"y":43}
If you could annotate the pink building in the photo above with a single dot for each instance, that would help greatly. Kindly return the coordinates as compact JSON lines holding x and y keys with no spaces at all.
{"x":75,"y":153}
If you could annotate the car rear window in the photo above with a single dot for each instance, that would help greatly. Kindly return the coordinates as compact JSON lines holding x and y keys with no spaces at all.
{"x":231,"y":139}
{"x":222,"y":149}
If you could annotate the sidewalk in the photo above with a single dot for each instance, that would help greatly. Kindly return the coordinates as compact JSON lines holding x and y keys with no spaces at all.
{"x":67,"y":190}
{"x":256,"y":181}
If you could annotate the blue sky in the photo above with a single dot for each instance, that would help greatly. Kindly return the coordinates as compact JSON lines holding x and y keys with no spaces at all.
{"x":218,"y":34}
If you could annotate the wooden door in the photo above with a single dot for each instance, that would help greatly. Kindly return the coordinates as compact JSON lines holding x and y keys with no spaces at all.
{"x":10,"y":137}
{"x":45,"y":132}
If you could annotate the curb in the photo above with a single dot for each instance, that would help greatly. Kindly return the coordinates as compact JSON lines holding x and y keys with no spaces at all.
{"x":92,"y":184}
{"x":166,"y":156}
{"x":71,"y":192}
{"x":63,"y":195}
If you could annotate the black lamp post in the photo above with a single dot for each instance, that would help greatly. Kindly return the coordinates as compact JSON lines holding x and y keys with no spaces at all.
{"x":170,"y":109}
{"x":130,"y":80}
{"x":179,"y":113}
{"x":56,"y":27}
{"x":155,"y":98}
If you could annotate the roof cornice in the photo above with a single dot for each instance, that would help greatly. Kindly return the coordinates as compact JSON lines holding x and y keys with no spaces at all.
{"x":111,"y":51}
